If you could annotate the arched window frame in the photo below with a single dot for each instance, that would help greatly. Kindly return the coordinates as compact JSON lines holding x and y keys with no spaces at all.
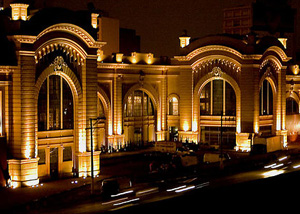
{"x":211,"y":98}
{"x":134,"y":105}
{"x":170,"y":98}
{"x":62,"y":110}
{"x":266,"y":97}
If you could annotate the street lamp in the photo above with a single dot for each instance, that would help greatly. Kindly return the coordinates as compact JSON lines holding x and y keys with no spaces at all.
{"x":92,"y":150}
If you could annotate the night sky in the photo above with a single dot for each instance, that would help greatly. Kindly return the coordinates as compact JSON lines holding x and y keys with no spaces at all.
{"x":161,"y":22}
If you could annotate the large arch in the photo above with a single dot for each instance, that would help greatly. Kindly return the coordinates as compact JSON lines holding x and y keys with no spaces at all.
{"x":74,"y":84}
{"x":270,"y":68}
{"x":153,"y":95}
{"x":146,"y":88}
{"x":108,"y":126}
{"x":197,"y":91}
{"x":73,"y":30}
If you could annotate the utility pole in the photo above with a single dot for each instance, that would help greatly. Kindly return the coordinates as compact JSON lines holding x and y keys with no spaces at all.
{"x":92,"y":158}
{"x":92,"y":152}
{"x":221,"y":143}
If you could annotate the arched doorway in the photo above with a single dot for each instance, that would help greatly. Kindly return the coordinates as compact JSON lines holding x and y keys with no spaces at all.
{"x":266,"y":108}
{"x":57,"y":92}
{"x":139,"y":118}
{"x":173,"y":117}
{"x":218,"y":113}
{"x":55,"y":128}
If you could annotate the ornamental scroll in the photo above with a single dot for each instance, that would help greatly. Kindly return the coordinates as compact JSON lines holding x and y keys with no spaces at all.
{"x":58,"y":63}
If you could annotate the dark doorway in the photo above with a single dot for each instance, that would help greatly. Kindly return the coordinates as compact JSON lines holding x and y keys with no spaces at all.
{"x":54,"y":163}
{"x":173,"y":131}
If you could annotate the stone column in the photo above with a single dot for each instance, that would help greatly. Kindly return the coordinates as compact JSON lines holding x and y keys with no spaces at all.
{"x":23,"y":168}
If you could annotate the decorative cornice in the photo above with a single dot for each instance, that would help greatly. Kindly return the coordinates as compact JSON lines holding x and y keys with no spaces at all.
{"x":209,"y":48}
{"x":24,"y":38}
{"x":66,"y":27}
{"x":75,"y":30}
{"x":7,"y":69}
{"x":139,"y":66}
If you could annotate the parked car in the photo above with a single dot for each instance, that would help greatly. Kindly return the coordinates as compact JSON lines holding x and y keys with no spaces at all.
{"x":110,"y":187}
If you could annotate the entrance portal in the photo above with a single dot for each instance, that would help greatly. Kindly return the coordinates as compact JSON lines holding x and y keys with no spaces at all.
{"x":173,"y":131}
{"x":54,"y":163}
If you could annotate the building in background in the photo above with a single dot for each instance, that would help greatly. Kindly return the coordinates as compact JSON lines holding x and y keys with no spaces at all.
{"x":61,"y":68}
{"x":264,"y":18}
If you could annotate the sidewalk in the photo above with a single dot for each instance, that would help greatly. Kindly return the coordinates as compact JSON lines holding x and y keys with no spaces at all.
{"x":22,"y":197}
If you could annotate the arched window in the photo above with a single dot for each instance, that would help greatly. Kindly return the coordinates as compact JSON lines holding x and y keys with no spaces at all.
{"x":173,"y":106}
{"x":55,"y":105}
{"x":266,"y":99}
{"x":216,"y":97}
{"x":138,"y":104}
{"x":291,"y":106}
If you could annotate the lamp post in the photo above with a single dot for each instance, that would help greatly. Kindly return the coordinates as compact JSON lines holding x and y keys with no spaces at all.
{"x":221,"y":143}
{"x":92,"y":152}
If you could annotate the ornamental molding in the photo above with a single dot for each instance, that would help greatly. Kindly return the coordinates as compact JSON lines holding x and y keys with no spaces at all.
{"x":24,"y":38}
{"x":8,"y":69}
{"x":66,"y":27}
{"x":208,"y":48}
{"x":216,"y":72}
{"x":75,"y":30}
{"x":58,"y":63}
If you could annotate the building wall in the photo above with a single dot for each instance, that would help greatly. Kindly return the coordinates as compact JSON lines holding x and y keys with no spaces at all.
{"x":94,"y":82}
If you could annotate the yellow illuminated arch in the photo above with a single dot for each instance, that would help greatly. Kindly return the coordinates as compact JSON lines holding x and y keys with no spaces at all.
{"x":197,"y":91}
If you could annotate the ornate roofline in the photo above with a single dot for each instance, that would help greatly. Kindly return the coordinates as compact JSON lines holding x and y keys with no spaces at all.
{"x":208,"y":48}
{"x":65,"y":27}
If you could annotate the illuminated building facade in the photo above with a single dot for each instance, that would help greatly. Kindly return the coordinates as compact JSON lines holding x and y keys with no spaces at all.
{"x":66,"y":73}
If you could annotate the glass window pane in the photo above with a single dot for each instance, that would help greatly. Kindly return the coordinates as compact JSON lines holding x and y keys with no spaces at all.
{"x":67,"y":106}
{"x":129,"y":109}
{"x":217,"y":97}
{"x":54,"y":102}
{"x":150,"y":108}
{"x":291,"y":106}
{"x":42,"y":108}
{"x":266,"y":99}
{"x":145,"y":105}
{"x":205,"y":100}
{"x":173,"y":106}
{"x":138,"y":103}
{"x":270,"y":99}
{"x":67,"y":153}
{"x":42,"y":156}
{"x":230,"y":102}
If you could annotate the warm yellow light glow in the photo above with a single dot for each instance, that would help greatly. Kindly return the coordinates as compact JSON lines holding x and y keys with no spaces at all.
{"x":119,"y":129}
{"x":133,"y":56}
{"x":256,"y":128}
{"x":195,"y":126}
{"x":19,"y":11}
{"x":149,"y":58}
{"x":99,"y":55}
{"x":283,"y":41}
{"x":184,"y":41}
{"x":27,"y":150}
{"x":185,"y":126}
{"x":278,"y":122}
{"x":295,"y":69}
{"x":94,"y":20}
{"x":82,"y":141}
{"x":119,"y":57}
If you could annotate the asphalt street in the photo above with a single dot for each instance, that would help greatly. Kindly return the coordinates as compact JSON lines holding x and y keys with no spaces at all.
{"x":271,"y":186}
